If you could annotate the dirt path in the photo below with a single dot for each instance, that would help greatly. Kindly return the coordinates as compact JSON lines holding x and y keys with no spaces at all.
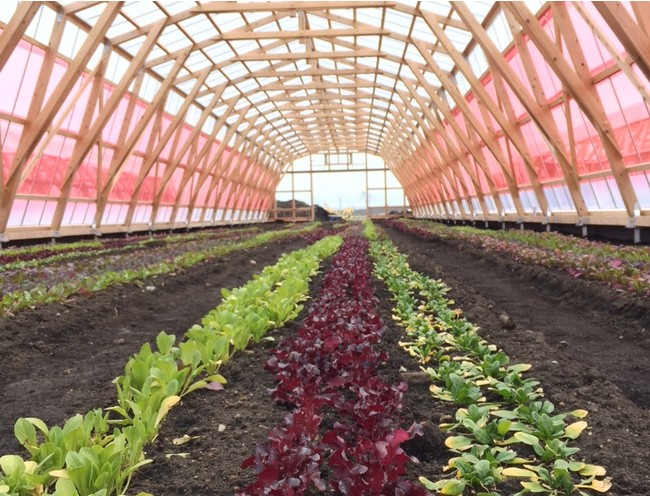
{"x":59,"y":360}
{"x":585,"y":356}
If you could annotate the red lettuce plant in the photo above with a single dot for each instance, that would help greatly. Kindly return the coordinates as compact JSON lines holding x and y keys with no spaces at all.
{"x":332,"y":366}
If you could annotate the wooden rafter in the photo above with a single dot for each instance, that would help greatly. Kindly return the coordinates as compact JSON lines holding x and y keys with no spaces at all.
{"x":305,"y":77}
{"x":12,"y":34}
{"x":39,"y":124}
{"x":535,"y":108}
{"x":583,"y":92}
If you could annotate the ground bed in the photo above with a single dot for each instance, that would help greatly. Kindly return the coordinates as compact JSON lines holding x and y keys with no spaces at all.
{"x":60,"y":359}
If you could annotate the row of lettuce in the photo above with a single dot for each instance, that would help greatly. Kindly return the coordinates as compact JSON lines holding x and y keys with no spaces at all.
{"x":47,"y":283}
{"x":621,"y":267}
{"x":503,"y":427}
{"x":342,"y":433}
{"x":96,"y":454}
{"x":41,"y":255}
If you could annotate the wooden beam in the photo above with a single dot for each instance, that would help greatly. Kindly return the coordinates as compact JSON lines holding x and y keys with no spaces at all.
{"x":631,"y":35}
{"x":450,"y":162}
{"x":214,"y":161}
{"x":36,"y":104}
{"x":463,"y":137}
{"x":290,"y":88}
{"x":123,"y":150}
{"x":15,"y":29}
{"x":621,"y":63}
{"x":201,"y":45}
{"x":91,"y":105}
{"x":191,"y":166}
{"x":427,"y":148}
{"x":177,"y":123}
{"x":32,"y":134}
{"x":564,"y":23}
{"x":74,"y":7}
{"x":584,"y":94}
{"x":91,"y":131}
{"x":222,"y":7}
{"x":311,"y":72}
{"x":301,"y":33}
{"x":485,"y":103}
{"x":155,"y":138}
{"x":535,"y":107}
{"x":424,"y":168}
{"x":252,"y":57}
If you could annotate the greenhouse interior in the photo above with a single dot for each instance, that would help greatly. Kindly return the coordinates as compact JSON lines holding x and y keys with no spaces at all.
{"x":429,"y":220}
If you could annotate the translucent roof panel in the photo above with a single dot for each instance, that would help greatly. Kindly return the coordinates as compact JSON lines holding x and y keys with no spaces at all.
{"x":143,"y":13}
{"x":309,"y":74}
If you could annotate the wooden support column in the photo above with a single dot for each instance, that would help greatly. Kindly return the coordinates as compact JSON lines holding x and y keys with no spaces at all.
{"x":33,"y":133}
{"x":427,"y":159}
{"x":252,"y":152}
{"x":155,"y":139}
{"x":93,"y":101}
{"x":484,"y":100}
{"x":15,"y":29}
{"x":612,"y":50}
{"x":37,"y":100}
{"x":475,"y":152}
{"x":565,"y":25}
{"x":582,"y":91}
{"x":124,"y":149}
{"x":213,"y":163}
{"x":538,"y":111}
{"x":220,"y":170}
{"x":175,"y":159}
{"x":439,"y":127}
{"x":175,"y":125}
{"x":631,"y":35}
{"x":504,"y":99}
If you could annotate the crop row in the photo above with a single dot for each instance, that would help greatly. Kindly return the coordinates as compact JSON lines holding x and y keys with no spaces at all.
{"x":504,"y":427}
{"x":39,"y":256}
{"x":46,"y":285}
{"x":330,"y":369}
{"x":96,"y":454}
{"x":45,"y":273}
{"x":621,"y":267}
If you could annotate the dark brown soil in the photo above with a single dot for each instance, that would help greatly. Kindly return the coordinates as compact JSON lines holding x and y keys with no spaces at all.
{"x":60,"y":359}
{"x":584,"y":355}
{"x":584,"y":352}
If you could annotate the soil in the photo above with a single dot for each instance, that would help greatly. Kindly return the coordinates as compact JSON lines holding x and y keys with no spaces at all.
{"x":584,"y":353}
{"x":60,"y":359}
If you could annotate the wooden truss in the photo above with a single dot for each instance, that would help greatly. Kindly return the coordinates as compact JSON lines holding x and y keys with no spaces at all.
{"x":281,"y":80}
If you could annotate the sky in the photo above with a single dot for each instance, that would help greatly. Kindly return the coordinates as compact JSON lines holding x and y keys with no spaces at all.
{"x":339,"y":189}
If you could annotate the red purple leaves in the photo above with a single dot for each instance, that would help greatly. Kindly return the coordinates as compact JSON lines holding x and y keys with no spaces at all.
{"x":331,"y":363}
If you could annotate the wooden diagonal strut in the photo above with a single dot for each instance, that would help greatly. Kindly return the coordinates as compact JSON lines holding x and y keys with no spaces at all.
{"x":542,"y":118}
{"x":89,"y":133}
{"x":39,"y":95}
{"x":213,"y":163}
{"x":423,"y":156}
{"x":15,"y":29}
{"x":32,"y":134}
{"x":124,"y":150}
{"x":631,"y":35}
{"x":485,"y":103}
{"x":174,"y":127}
{"x":175,"y":159}
{"x":441,"y":130}
{"x":93,"y":101}
{"x":583,"y":93}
